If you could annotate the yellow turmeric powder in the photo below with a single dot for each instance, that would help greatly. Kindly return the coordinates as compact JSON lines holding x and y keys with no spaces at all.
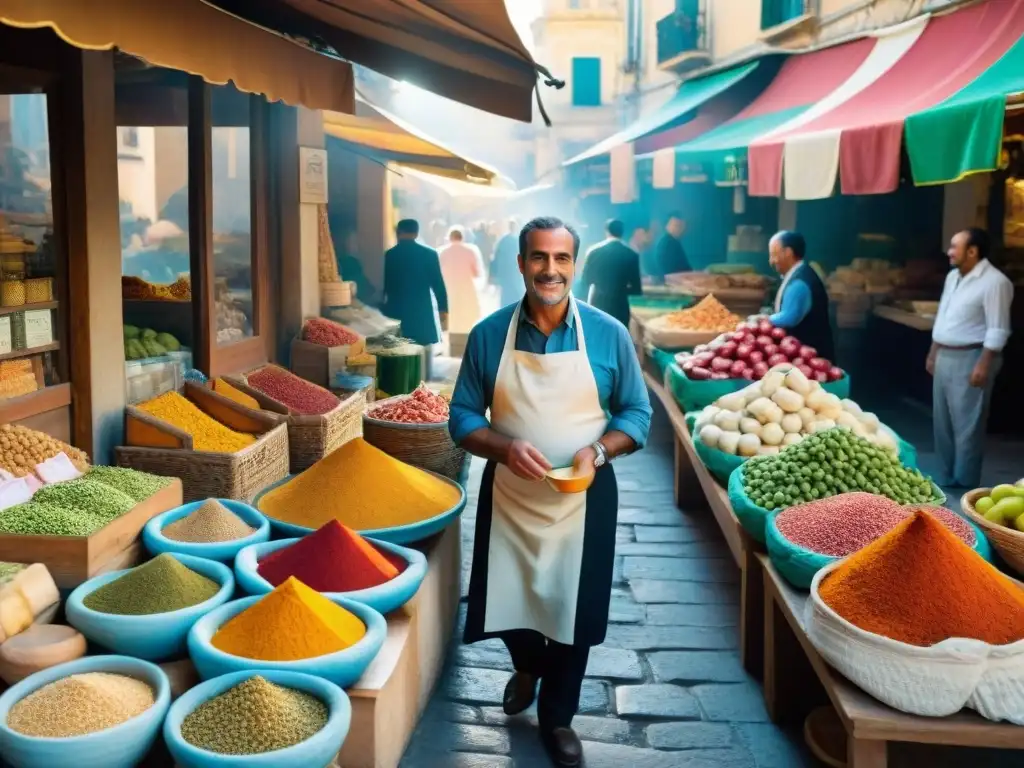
{"x":363,"y":488}
{"x":221,"y":387}
{"x":291,"y":623}
{"x":208,"y":434}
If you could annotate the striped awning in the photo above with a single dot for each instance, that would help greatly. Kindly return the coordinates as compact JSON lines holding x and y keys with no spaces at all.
{"x":857,"y":134}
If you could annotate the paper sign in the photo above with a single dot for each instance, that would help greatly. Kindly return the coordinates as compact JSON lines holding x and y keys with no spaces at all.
{"x":14,"y":492}
{"x":312,"y":175}
{"x":664,"y":172}
{"x":38,"y":328}
{"x":623,"y":174}
{"x":5,"y":335}
{"x":57,"y":469}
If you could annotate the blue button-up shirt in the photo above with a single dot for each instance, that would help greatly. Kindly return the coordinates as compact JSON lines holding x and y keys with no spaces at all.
{"x":620,"y":383}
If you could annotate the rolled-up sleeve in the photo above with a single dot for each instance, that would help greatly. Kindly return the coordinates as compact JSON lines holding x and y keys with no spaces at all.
{"x":629,"y":404}
{"x":998,"y":299}
{"x":468,"y":408}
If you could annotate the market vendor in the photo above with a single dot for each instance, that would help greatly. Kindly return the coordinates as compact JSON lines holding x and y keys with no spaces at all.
{"x":611,"y":274}
{"x":564,"y":388}
{"x":971,"y":328}
{"x":801,"y":304}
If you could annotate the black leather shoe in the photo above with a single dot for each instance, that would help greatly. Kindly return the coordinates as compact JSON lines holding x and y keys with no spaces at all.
{"x":519,"y":693}
{"x":564,"y":747}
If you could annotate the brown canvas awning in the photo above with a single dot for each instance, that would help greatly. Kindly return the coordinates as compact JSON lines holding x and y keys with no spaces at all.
{"x":194,"y":37}
{"x":466,"y":50}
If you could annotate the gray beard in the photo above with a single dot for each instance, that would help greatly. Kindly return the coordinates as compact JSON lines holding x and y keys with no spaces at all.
{"x":548,"y":302}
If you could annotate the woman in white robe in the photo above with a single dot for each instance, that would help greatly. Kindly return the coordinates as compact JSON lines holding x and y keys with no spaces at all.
{"x":463,"y":270}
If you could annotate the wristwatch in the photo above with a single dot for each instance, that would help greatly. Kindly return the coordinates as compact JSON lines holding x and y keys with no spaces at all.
{"x":602,"y":455}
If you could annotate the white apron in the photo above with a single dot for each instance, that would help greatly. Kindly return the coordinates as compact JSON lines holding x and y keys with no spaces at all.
{"x":535,"y":549}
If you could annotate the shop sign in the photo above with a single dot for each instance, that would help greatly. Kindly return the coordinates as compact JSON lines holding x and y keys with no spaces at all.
{"x":312,"y":175}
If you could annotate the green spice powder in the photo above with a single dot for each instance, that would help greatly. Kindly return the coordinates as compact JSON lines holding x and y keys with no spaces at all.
{"x":159,"y":586}
{"x":138,"y":485}
{"x":34,"y":518}
{"x":254,"y":717}
{"x":88,"y":495}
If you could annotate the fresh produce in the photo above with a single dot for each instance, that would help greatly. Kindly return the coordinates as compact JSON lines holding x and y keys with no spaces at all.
{"x":140,"y":343}
{"x":138,"y":485}
{"x":210,"y":522}
{"x":254,"y":717}
{"x":750,"y":351}
{"x":80,"y":704}
{"x":421,"y":407}
{"x":919,"y":584}
{"x":22,"y":448}
{"x":327,"y":333}
{"x":162,"y":585}
{"x":827,"y":463}
{"x":207,"y":433}
{"x":708,"y":314}
{"x":301,"y":396}
{"x":1004,"y":505}
{"x":780,"y":410}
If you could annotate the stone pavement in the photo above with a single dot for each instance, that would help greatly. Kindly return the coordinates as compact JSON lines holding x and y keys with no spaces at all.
{"x":665,"y":690}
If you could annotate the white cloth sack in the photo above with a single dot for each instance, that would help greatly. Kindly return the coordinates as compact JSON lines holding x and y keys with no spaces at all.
{"x":936,"y":681}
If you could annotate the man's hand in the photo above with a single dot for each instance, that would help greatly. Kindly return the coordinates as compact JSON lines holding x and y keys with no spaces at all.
{"x":525,"y":461}
{"x":979,"y":376}
{"x":929,"y":364}
{"x":444,"y":321}
{"x":583,"y":462}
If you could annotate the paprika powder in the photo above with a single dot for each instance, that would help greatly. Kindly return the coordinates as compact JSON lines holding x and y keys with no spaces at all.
{"x":920,"y":584}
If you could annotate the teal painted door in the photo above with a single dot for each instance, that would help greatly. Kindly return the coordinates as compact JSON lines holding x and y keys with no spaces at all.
{"x":586,"y":81}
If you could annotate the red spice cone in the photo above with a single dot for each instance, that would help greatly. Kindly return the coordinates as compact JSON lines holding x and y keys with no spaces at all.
{"x":333,"y":558}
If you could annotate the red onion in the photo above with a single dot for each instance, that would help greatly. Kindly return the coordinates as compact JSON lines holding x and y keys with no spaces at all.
{"x":721,"y":364}
{"x":743,"y":351}
{"x":704,"y":359}
{"x":770,"y":349}
{"x":748,"y":374}
{"x":764,"y":327}
{"x":688,"y":366}
{"x":819,"y":364}
{"x":820,"y":376}
{"x":789,"y":347}
{"x":798,"y":361}
{"x":700,"y":348}
{"x":835,"y":374}
{"x":760,"y":369}
{"x":756,"y":356}
{"x":738,"y":368}
{"x":778,"y":334}
{"x":737,"y":336}
{"x":719,"y":376}
{"x":699,"y":374}
{"x":806,"y":370}
{"x":776,"y":359}
{"x":764,"y":341}
{"x":728,"y":349}
{"x":808,"y":352}
{"x":749,"y":338}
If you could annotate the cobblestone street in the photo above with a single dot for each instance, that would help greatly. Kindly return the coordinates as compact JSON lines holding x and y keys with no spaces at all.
{"x":666,"y":689}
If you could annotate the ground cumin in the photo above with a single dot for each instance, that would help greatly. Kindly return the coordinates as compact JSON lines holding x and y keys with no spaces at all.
{"x":920,"y":584}
{"x":362,"y":487}
{"x":293,"y":622}
{"x":333,"y":558}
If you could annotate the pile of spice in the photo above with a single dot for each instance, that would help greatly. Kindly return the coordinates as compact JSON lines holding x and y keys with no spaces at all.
{"x":301,"y":396}
{"x":708,"y":314}
{"x":254,"y":717}
{"x":327,"y":333}
{"x":162,"y":585}
{"x":96,"y":498}
{"x":420,"y":407}
{"x":207,"y":433}
{"x":291,"y":623}
{"x":364,"y":488}
{"x":138,"y":485}
{"x":80,"y":704}
{"x":210,"y":522}
{"x":333,"y":558}
{"x":74,"y":508}
{"x":919,"y":584}
{"x":840,"y":525}
{"x":222,"y":387}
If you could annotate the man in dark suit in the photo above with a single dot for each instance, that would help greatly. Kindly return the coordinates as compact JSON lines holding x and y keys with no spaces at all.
{"x":669,"y":256}
{"x":412,"y":285}
{"x":504,"y":271}
{"x":611,"y":274}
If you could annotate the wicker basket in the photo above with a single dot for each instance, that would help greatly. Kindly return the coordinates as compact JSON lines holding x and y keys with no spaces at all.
{"x":1009,"y":543}
{"x":210,"y":474}
{"x":310,"y":438}
{"x":427,"y":446}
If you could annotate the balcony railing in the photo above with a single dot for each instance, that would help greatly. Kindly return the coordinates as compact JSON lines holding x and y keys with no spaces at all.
{"x":776,"y":12}
{"x":682,"y":31}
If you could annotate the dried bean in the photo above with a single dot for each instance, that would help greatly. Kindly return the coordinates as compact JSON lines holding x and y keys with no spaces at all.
{"x":301,"y":396}
{"x":319,"y":330}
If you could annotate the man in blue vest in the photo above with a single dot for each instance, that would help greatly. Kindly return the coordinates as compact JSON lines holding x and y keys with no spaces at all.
{"x":801,"y":305}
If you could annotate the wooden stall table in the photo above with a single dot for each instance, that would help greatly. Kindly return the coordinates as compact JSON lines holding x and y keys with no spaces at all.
{"x":695,"y":488}
{"x":791,"y":662}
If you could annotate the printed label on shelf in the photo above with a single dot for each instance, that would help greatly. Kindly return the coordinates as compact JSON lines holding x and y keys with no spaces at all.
{"x":38,"y":328}
{"x":5,"y":335}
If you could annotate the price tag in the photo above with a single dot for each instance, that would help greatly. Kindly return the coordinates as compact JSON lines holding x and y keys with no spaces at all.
{"x":5,"y":335}
{"x":38,"y":328}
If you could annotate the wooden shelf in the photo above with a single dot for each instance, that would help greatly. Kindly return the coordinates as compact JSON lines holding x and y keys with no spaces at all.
{"x":29,"y":307}
{"x":29,"y":352}
{"x":40,"y":401}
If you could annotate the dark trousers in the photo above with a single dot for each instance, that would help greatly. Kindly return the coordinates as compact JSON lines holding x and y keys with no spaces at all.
{"x":561,"y":669}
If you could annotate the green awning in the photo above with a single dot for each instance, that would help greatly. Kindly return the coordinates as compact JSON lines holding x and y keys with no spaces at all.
{"x":676,"y":110}
{"x":963,"y":134}
{"x":733,"y":138}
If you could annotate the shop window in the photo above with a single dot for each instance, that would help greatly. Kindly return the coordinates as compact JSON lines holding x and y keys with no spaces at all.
{"x":31,"y":358}
{"x":776,"y":12}
{"x":586,"y":81}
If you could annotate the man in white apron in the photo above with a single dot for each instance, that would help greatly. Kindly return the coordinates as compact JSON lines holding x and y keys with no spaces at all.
{"x":563,"y":387}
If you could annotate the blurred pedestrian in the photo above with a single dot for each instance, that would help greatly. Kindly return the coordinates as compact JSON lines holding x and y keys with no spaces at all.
{"x":462,"y":268}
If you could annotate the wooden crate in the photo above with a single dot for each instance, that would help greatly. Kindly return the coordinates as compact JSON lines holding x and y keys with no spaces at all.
{"x":319,"y":364}
{"x":74,"y":559}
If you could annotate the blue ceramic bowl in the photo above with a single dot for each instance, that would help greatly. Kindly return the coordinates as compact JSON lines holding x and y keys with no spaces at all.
{"x":155,"y":636}
{"x":315,"y":752}
{"x":122,"y":746}
{"x":384,"y":598}
{"x":223,"y":551}
{"x":398,"y":534}
{"x":342,"y":668}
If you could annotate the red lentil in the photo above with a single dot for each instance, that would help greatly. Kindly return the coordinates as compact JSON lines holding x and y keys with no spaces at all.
{"x":320,"y":330}
{"x":840,"y":525}
{"x":421,"y":407}
{"x":301,"y":396}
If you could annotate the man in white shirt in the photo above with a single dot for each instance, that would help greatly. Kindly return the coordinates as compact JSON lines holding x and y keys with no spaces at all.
{"x":971,"y":328}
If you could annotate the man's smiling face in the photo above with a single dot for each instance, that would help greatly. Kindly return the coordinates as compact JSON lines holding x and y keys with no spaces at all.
{"x":548,"y":265}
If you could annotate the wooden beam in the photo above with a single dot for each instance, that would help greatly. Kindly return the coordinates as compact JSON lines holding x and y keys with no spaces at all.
{"x":200,"y":221}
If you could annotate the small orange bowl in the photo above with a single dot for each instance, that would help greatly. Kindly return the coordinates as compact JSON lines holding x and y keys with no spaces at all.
{"x":566,"y":480}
